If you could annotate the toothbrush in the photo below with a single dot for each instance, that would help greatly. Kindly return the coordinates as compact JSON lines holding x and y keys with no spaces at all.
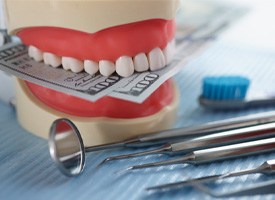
{"x":230,"y":92}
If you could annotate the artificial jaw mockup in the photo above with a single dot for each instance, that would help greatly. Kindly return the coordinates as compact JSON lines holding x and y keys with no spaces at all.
{"x":98,"y":37}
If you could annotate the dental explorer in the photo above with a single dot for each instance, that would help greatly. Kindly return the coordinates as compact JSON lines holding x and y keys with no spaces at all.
{"x":267,"y":167}
{"x":215,"y":154}
{"x":212,"y":140}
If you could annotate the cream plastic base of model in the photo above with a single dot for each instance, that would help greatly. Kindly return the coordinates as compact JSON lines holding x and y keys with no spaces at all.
{"x":85,"y":15}
{"x":37,"y":118}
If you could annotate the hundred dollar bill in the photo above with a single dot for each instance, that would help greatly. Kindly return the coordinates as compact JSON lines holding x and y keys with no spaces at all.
{"x":191,"y":40}
{"x":14,"y":59}
{"x":140,"y":86}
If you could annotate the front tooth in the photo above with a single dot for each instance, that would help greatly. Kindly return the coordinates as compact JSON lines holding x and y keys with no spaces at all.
{"x":35,"y":53}
{"x":141,"y":62}
{"x":91,"y":67}
{"x":169,"y":52}
{"x":52,"y":60}
{"x":74,"y":64}
{"x":106,"y":68}
{"x":156,"y":59}
{"x":125,"y":66}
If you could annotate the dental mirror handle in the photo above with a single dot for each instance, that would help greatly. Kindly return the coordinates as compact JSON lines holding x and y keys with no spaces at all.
{"x":153,"y":139}
{"x":222,"y":125}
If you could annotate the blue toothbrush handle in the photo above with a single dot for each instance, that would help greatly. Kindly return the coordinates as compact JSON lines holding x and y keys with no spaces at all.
{"x":235,"y":104}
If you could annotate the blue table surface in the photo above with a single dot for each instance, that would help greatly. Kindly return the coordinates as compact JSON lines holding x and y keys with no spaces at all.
{"x":27,"y":172}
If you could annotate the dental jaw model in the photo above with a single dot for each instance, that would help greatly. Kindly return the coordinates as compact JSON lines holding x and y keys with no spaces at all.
{"x":98,"y":37}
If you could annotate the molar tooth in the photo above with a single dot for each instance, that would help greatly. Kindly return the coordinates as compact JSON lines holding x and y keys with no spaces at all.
{"x":169,"y":51}
{"x":91,"y":67}
{"x":74,"y":64}
{"x":52,"y":59}
{"x":106,"y":68}
{"x":35,"y":53}
{"x":156,"y":59}
{"x":141,"y":62}
{"x":125,"y":66}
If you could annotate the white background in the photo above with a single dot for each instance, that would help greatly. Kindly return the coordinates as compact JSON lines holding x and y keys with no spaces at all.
{"x":257,"y":28}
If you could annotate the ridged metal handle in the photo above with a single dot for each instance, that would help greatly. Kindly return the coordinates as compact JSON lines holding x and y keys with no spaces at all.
{"x":233,"y":151}
{"x":226,"y":137}
{"x":223,"y":125}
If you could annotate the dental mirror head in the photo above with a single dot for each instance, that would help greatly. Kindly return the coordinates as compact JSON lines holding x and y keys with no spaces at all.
{"x":66,"y":147}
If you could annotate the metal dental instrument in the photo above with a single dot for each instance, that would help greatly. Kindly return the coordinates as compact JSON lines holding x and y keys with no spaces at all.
{"x":267,"y":167}
{"x":212,"y":140}
{"x":215,"y":154}
{"x":163,"y":137}
{"x":67,"y":148}
{"x":262,"y":188}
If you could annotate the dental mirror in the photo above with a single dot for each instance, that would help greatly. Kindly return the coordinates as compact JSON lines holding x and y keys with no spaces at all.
{"x":66,"y":147}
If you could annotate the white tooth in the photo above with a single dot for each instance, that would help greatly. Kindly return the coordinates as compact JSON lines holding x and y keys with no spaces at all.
{"x":66,"y":63}
{"x":106,"y":68}
{"x":91,"y":67}
{"x":52,"y":60}
{"x":74,"y":64}
{"x":35,"y":53}
{"x":169,"y":52}
{"x":156,"y":59}
{"x":141,"y":62}
{"x":125,"y":66}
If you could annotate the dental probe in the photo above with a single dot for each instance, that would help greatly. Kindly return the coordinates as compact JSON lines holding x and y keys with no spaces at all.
{"x":215,"y":154}
{"x":267,"y":167}
{"x":212,"y":140}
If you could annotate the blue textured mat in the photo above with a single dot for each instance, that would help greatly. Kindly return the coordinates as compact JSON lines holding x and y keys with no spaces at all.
{"x":27,"y":172}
